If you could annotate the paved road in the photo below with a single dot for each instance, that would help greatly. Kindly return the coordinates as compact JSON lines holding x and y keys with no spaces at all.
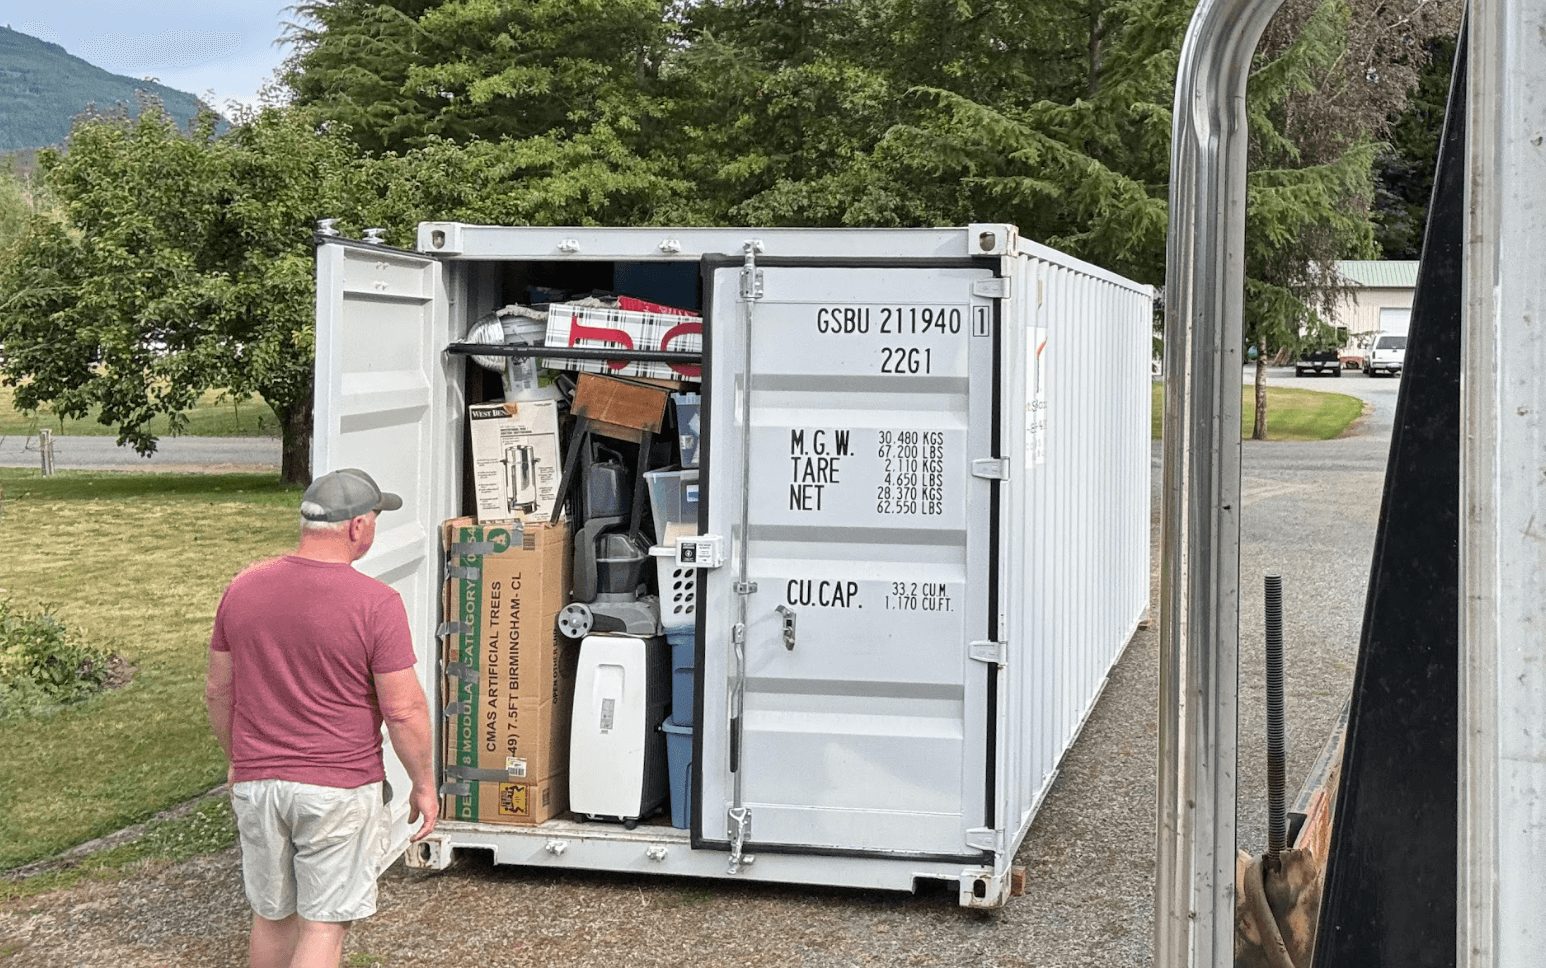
{"x":1309,"y":511}
{"x":172,"y":454}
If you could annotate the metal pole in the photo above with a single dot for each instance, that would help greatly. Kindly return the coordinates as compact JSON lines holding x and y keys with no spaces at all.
{"x":1277,"y":819}
{"x":1200,"y":533}
{"x":46,"y":450}
{"x":1502,"y":747}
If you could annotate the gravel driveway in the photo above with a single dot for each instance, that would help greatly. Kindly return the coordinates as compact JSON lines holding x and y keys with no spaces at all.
{"x":1309,"y":513}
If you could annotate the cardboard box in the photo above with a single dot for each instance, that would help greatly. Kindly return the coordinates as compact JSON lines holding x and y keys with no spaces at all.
{"x":515,"y":460}
{"x":508,"y":687}
{"x":570,"y":325}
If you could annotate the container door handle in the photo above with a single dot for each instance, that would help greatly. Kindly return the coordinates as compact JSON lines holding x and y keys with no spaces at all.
{"x":788,"y":616}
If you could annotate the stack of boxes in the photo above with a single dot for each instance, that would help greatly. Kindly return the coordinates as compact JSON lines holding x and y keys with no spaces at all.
{"x":508,"y":686}
{"x":508,"y":676}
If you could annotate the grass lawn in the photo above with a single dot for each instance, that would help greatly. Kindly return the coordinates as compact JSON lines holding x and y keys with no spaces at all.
{"x":208,"y":828}
{"x":216,"y":415}
{"x":1292,"y":414}
{"x":140,"y":560}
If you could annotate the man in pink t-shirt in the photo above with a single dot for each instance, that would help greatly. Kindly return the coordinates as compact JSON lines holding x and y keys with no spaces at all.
{"x":307,"y":660}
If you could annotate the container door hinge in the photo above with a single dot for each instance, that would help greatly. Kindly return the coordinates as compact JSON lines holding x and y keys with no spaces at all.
{"x":992,"y":468}
{"x":751,"y":276}
{"x":994,"y":653}
{"x":994,"y":288}
{"x":986,"y":839}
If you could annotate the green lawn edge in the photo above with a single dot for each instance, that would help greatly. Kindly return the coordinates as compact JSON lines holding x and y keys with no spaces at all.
{"x":1292,"y":413}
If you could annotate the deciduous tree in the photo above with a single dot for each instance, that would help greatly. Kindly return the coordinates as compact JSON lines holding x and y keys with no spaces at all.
{"x":181,"y":263}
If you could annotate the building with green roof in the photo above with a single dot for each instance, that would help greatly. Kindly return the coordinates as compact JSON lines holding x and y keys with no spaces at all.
{"x":1379,"y":300}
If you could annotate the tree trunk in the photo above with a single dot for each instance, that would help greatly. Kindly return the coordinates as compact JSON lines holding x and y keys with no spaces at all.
{"x":295,"y":448}
{"x":1259,"y":427}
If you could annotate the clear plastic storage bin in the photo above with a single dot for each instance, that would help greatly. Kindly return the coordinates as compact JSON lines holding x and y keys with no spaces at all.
{"x":674,"y":499}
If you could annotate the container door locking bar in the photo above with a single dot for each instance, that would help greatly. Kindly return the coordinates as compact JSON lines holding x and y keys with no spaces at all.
{"x":738,"y":818}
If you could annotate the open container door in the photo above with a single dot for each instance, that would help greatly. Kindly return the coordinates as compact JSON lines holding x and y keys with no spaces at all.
{"x":859,"y":720}
{"x":380,"y":380}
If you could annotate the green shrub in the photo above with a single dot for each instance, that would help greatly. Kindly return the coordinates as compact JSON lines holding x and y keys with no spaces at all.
{"x":44,"y":664}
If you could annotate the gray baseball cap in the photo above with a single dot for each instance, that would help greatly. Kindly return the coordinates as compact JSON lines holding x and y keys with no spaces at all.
{"x":343,"y":494}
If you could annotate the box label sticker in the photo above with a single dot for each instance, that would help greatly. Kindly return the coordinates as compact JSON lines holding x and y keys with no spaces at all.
{"x":513,"y":800}
{"x":516,"y":767}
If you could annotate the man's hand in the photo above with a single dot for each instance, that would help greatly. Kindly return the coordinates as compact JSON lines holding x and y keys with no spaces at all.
{"x":426,"y":804}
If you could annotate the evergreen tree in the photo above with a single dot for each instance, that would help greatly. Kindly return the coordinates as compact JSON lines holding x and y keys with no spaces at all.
{"x":401,"y":73}
{"x":1403,"y":172}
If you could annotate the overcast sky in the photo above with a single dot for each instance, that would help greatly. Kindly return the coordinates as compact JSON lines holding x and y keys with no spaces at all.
{"x":223,"y":47}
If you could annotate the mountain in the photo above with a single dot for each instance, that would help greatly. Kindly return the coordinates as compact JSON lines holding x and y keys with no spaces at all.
{"x":43,"y":87}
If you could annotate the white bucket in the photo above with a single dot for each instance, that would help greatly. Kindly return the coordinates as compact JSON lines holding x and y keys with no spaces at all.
{"x":522,"y":324}
{"x":522,"y":377}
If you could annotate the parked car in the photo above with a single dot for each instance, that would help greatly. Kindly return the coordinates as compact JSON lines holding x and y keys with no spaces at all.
{"x":1321,"y":362}
{"x":1388,"y":356}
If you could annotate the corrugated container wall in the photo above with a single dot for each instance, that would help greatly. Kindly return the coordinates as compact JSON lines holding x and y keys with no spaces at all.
{"x":955,"y":626}
{"x":1082,"y":565}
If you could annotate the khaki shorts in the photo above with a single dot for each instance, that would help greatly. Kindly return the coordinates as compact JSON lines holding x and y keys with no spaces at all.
{"x":311,"y":850}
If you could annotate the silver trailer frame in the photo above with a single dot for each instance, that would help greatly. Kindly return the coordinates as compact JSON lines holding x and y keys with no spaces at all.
{"x":1194,"y":904}
{"x":1502,"y":748}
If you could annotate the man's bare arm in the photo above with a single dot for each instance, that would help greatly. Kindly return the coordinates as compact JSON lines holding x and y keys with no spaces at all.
{"x":217,"y":698}
{"x":406,"y":713}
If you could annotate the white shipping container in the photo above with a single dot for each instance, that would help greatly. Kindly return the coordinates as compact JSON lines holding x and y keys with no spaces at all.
{"x":943,"y":547}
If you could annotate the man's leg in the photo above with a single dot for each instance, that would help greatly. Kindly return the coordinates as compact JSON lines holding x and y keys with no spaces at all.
{"x":273,"y":942}
{"x":320,"y":945}
{"x":267,"y":871}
